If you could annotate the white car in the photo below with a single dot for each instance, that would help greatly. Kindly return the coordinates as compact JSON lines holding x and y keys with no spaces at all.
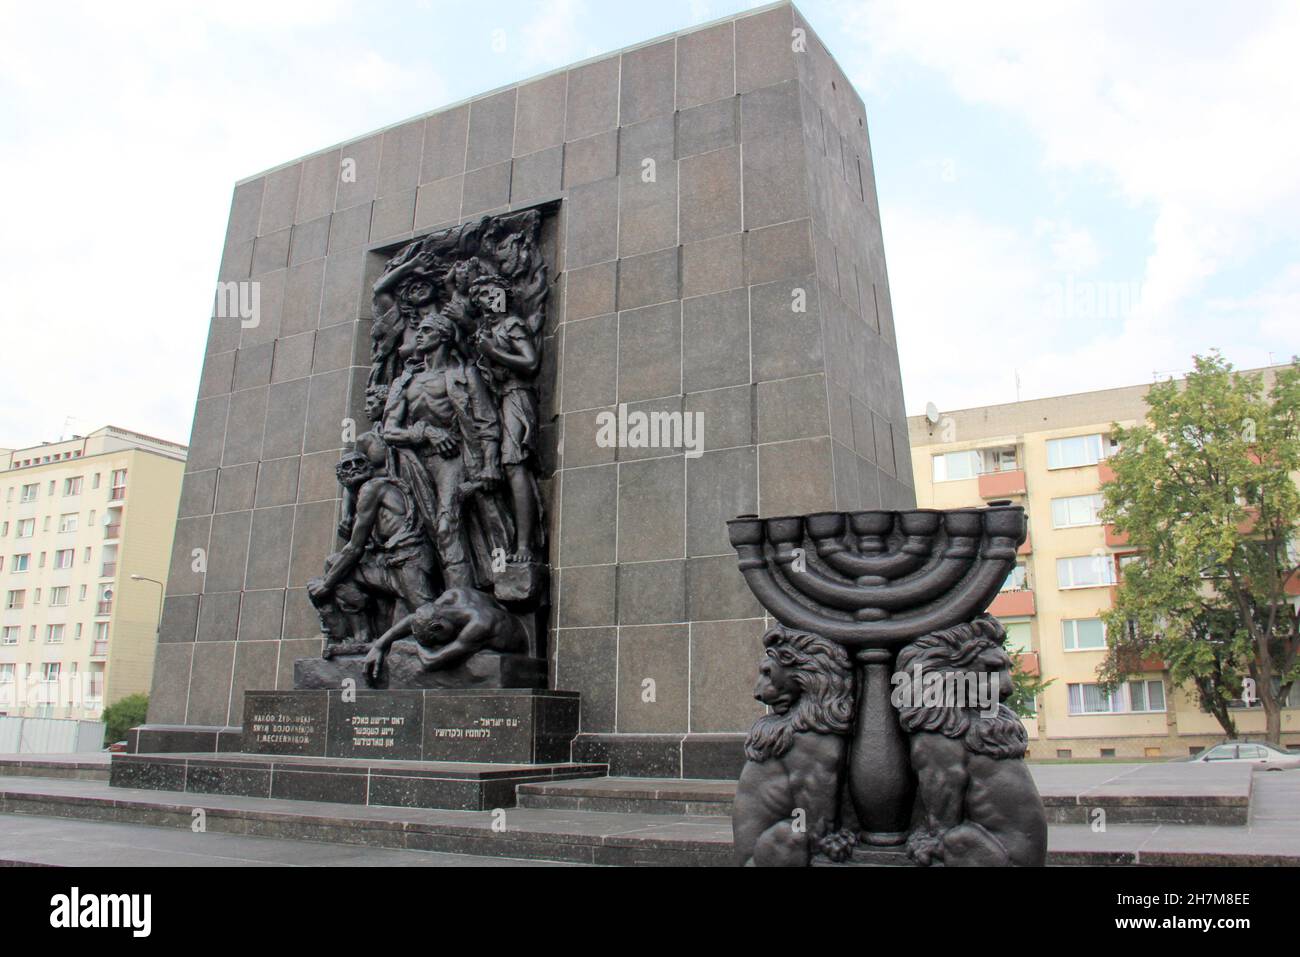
{"x":1268,"y":757}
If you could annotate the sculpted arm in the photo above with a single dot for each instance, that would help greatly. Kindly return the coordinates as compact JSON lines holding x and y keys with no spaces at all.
{"x":472,"y":637}
{"x":367,"y":510}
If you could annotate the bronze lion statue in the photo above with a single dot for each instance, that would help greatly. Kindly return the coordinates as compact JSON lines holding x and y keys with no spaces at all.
{"x":786,"y":805}
{"x":980,"y":805}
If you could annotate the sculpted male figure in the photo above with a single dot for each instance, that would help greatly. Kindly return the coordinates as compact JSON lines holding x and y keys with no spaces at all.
{"x":385,"y":557}
{"x":440,"y":410}
{"x":460,"y":623}
{"x":370,"y":444}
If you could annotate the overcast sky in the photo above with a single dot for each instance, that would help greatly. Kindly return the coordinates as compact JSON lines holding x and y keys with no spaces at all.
{"x":1079,"y":195}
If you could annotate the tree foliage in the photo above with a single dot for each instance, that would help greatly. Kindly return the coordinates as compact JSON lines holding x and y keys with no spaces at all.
{"x":1206,"y":492}
{"x":123,"y":715}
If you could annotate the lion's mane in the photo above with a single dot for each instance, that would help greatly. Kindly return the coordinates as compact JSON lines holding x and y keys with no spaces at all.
{"x":957,"y":649}
{"x":823,"y":672}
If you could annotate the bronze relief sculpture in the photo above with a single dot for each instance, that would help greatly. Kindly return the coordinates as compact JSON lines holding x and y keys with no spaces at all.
{"x":931,"y":761}
{"x":442,"y":519}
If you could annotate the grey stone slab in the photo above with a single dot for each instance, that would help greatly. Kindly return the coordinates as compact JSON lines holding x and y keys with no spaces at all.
{"x":775,"y":171}
{"x":646,"y":87}
{"x":650,"y":352}
{"x":649,"y":278}
{"x":260,"y":617}
{"x":712,"y":265}
{"x":309,"y":240}
{"x":491,"y":130}
{"x":708,"y":127}
{"x":586,"y":662}
{"x":796,"y":478}
{"x":304,"y":287}
{"x":848,"y":494}
{"x":183,"y":577}
{"x":715,"y":590}
{"x":783,"y":251}
{"x":586,"y":596}
{"x":399,"y":160}
{"x":725,"y":656}
{"x":218,"y":373}
{"x":590,"y":291}
{"x":207,"y":434}
{"x":265,"y":325}
{"x":653,"y":684}
{"x":537,"y":176}
{"x":292,"y":358}
{"x":715,"y":336}
{"x":180,"y":618}
{"x":209,"y":700}
{"x":271,"y":252}
{"x":316,"y":478}
{"x":710,"y":194}
{"x":651,"y":592}
{"x":198,"y":492}
{"x":590,"y":363}
{"x":884,"y":443}
{"x":727,"y":416}
{"x":319,"y":183}
{"x":358,"y":172}
{"x":244,"y":429}
{"x":664,"y":431}
{"x":334,"y":347}
{"x":792,"y":408}
{"x":764,"y":53}
{"x":582,"y":438}
{"x":286,"y":418}
{"x":350,"y":228}
{"x":774,"y":110}
{"x":706,"y":65}
{"x":393,"y":215}
{"x":314,"y":534}
{"x":648,"y":201}
{"x":245,"y":209}
{"x":719,"y":486}
{"x":785,"y":341}
{"x":326,"y":409}
{"x":219,"y":616}
{"x":172,"y":676}
{"x":592,"y":158}
{"x":269,"y":546}
{"x":235,"y":487}
{"x":438,"y":203}
{"x":279,"y":199}
{"x":651,"y":509}
{"x":252,"y":366}
{"x":445,"y":136}
{"x":592,"y":104}
{"x":228,"y":551}
{"x":592,"y":223}
{"x":587,"y":498}
{"x":539,"y":123}
{"x":277,"y":482}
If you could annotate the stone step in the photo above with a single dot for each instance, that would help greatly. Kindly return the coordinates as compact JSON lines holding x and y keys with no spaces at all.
{"x":423,"y":784}
{"x":91,"y":766}
{"x":627,"y":795}
{"x":561,"y":836}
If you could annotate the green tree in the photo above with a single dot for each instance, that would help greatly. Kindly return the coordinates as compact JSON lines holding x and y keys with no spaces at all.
{"x":123,"y":715}
{"x":1206,"y":491}
{"x":1025,"y":690}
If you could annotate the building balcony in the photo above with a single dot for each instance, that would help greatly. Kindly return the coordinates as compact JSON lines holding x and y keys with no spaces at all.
{"x":1028,"y":663}
{"x":117,"y":494}
{"x":1013,"y":604}
{"x":1115,"y":539}
{"x":1002,"y":484}
{"x":99,"y":649}
{"x":1105,"y":473}
{"x":104,"y":608}
{"x":1028,"y":546}
{"x":108,"y":570}
{"x":113,"y":531}
{"x":1132,"y":664}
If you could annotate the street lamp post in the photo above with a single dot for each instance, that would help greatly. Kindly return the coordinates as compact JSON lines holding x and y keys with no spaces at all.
{"x":161,"y":589}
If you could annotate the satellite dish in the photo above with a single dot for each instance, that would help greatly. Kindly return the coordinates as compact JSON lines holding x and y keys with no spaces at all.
{"x":108,"y":594}
{"x":106,"y":520}
{"x":932,"y":413}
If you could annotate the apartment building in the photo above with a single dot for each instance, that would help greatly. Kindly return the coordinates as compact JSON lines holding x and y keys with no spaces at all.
{"x":85,"y":539}
{"x":1049,"y":455}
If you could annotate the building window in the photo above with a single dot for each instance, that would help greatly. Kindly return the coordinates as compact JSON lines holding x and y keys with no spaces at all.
{"x":68,"y":522}
{"x":1016,"y":579}
{"x":59,"y":596}
{"x":94,"y":481}
{"x":22,"y":562}
{"x":63,"y":557}
{"x":1076,"y":510}
{"x":954,"y":466}
{"x":72,"y":486}
{"x":7,"y":697}
{"x":15,"y":599}
{"x":1019,"y":640}
{"x":1132,"y":697}
{"x":1085,"y":571}
{"x":1083,"y":634}
{"x":85,"y":556}
{"x":29,"y":493}
{"x":117,"y":491}
{"x":54,"y":634}
{"x":50,"y":671}
{"x":9,"y":636}
{"x":4,"y":526}
{"x":1077,"y":450}
{"x":26,"y":528}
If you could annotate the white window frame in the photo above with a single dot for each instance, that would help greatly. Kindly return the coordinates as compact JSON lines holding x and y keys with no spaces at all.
{"x":1070,"y":635}
{"x":1105,"y":562}
{"x":1095,"y":448}
{"x":1095,"y":500}
{"x":1120,"y":699}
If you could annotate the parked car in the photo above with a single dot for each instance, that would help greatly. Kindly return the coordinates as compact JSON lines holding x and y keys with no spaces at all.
{"x":1267,"y":756}
{"x":117,"y":747}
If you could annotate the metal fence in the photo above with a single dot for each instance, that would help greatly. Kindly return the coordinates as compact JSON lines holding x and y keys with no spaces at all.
{"x":50,"y":736}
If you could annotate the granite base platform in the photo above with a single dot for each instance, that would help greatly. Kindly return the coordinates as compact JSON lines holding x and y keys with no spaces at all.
{"x":411,"y":784}
{"x":516,"y":726}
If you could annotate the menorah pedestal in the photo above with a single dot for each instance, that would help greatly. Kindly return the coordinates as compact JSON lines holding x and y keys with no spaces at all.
{"x":881,"y":783}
